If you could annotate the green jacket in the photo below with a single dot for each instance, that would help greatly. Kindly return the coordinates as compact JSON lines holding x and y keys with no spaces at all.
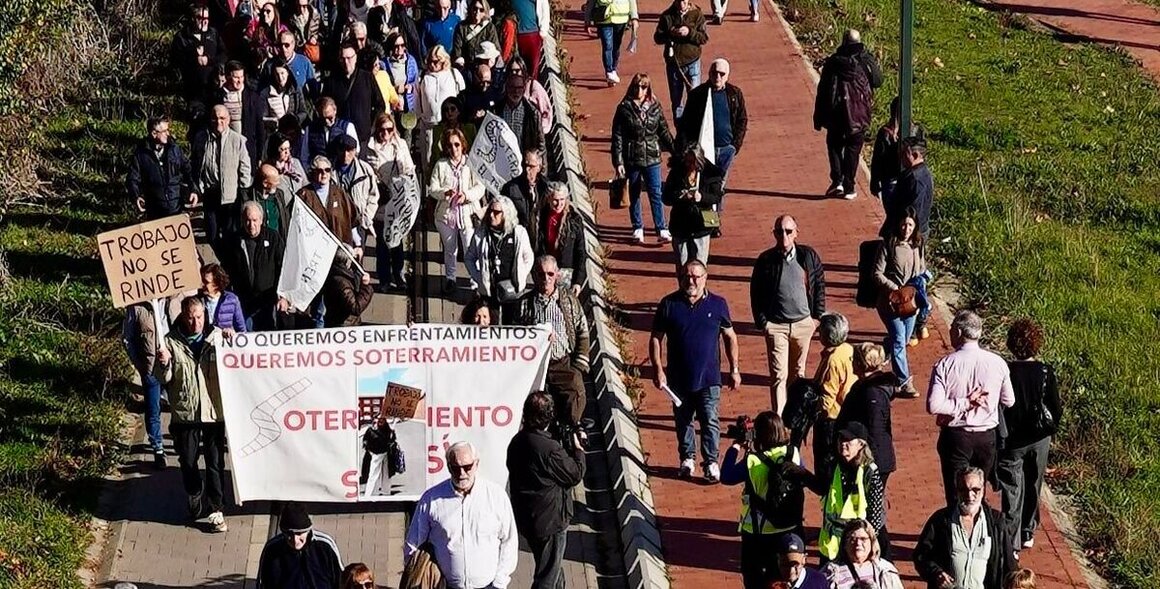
{"x":192,"y":379}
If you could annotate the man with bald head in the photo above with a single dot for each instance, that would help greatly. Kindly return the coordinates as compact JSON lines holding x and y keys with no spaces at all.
{"x":730,"y":119}
{"x":469,"y":523}
{"x":253,"y":259}
{"x":221,"y":168}
{"x":844,"y":104}
{"x":269,"y":194}
{"x":788,"y":296}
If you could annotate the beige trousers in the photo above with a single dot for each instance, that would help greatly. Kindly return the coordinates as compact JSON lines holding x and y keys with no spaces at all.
{"x":788,"y":345}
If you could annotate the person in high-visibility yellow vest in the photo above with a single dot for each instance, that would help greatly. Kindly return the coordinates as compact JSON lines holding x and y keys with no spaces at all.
{"x":851,"y":490}
{"x":611,"y":17}
{"x":772,"y":502}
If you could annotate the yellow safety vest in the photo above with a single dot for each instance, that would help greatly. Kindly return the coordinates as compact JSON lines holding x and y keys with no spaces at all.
{"x":837,"y":510}
{"x":614,"y":12}
{"x":752,"y":519}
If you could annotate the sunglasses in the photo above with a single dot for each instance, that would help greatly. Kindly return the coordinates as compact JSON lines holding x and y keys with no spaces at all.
{"x":783,"y":231}
{"x":495,"y":211}
{"x":387,"y":128}
{"x":367,"y":584}
{"x":322,"y":170}
{"x":458,"y":468}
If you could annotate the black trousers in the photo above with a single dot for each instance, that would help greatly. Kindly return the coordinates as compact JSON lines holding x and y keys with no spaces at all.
{"x":844,"y":151}
{"x":549,"y":555}
{"x":205,"y":440}
{"x":566,"y":385}
{"x":824,"y":452}
{"x":958,"y":449}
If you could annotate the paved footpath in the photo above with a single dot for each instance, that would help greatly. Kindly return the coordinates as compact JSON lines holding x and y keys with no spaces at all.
{"x":1135,"y":26}
{"x":150,"y":544}
{"x":782,"y":169}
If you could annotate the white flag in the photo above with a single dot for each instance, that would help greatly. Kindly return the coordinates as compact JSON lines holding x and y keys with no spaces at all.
{"x":495,"y":154}
{"x":706,"y":138}
{"x":310,"y":249}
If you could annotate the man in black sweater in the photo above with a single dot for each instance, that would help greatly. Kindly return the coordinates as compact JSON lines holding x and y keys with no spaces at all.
{"x":355,"y":93}
{"x":542,"y":474}
{"x":914,"y":192}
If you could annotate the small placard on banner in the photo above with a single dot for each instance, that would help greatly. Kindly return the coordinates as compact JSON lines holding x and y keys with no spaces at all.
{"x":401,"y":401}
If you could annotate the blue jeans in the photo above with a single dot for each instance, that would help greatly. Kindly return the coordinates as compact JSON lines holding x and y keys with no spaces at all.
{"x":920,"y":298}
{"x":650,"y":178}
{"x":703,"y":405}
{"x":152,"y":388}
{"x":610,"y":37}
{"x":898,"y":332}
{"x":677,"y":88}
{"x":725,"y":157}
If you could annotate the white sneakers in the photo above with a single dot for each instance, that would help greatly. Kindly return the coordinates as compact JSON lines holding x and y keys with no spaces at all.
{"x":218,"y":522}
{"x":754,"y":17}
{"x":713,"y":472}
{"x":850,"y":195}
{"x":612,"y":77}
{"x":688,"y":465}
{"x":638,"y":235}
{"x":1029,"y":543}
{"x":665,"y":236}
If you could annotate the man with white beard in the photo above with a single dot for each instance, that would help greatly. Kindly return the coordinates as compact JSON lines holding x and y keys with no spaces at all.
{"x":965,"y":545}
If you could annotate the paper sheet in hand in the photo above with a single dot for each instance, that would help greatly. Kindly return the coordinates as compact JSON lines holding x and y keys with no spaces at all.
{"x":672,"y":396}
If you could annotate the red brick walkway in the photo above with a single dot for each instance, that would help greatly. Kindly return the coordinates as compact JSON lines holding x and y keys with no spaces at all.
{"x":781,"y":170}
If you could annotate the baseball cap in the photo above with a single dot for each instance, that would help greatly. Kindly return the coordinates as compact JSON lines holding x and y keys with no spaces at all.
{"x":853,"y":431}
{"x":791,"y":544}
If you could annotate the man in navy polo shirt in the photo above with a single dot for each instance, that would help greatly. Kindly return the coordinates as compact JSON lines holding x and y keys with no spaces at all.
{"x":692,"y":319}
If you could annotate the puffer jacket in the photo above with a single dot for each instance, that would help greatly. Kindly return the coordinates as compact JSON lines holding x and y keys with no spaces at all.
{"x":192,"y":379}
{"x":639,"y":136}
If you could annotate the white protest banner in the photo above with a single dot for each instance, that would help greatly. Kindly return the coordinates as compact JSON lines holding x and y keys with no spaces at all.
{"x":401,"y":209}
{"x":708,"y":132}
{"x":310,"y":249}
{"x":299,"y":405}
{"x":495,"y":155}
{"x":151,"y":260}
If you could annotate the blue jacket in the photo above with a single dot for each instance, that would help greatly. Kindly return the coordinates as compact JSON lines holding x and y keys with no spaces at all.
{"x":164,"y":183}
{"x":439,"y":32}
{"x":228,"y":314}
{"x":412,"y":70}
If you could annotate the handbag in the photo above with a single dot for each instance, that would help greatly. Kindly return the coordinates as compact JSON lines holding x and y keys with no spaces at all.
{"x":505,"y":291}
{"x":902,"y":302}
{"x":710,"y":219}
{"x":313,"y":52}
{"x":618,"y":193}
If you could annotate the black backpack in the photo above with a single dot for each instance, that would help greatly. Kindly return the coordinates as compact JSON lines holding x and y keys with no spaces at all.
{"x":782,"y":503}
{"x":867,"y":292}
{"x":854,"y":99}
{"x":802,"y":404}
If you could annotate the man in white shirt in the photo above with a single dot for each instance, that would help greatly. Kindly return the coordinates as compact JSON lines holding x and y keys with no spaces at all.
{"x":470,"y":526}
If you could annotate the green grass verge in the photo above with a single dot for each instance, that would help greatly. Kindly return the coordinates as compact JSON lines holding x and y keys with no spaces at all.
{"x":63,"y":375}
{"x":1044,"y":163}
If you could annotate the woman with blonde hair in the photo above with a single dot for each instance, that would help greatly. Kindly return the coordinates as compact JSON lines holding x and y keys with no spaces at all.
{"x":639,"y":135}
{"x":868,"y":403}
{"x":437,"y":85}
{"x":399,"y":199}
{"x":458,"y":194}
{"x":860,"y":560}
{"x":1020,"y":579}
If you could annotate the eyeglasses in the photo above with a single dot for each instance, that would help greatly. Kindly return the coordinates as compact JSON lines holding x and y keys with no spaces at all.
{"x":495,"y":211}
{"x":721,"y":74}
{"x":860,"y":539}
{"x":287,"y":44}
{"x":367,"y":584}
{"x":322,"y":170}
{"x":780,"y":231}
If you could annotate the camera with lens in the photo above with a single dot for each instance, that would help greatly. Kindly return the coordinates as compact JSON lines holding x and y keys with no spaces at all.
{"x":567,"y":433}
{"x":741,"y":431}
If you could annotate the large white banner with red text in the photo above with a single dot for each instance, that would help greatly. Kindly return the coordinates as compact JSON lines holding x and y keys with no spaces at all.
{"x":298,"y":406}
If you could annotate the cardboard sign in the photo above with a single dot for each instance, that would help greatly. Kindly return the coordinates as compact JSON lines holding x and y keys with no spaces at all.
{"x":151,"y":260}
{"x":401,"y":401}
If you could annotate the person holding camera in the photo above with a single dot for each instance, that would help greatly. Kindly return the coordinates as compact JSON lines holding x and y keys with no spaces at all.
{"x":541,"y":475}
{"x":771,"y":503}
